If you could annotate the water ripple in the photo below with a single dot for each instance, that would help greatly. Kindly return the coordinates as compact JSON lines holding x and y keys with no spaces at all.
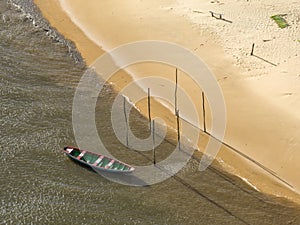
{"x":39,"y":185}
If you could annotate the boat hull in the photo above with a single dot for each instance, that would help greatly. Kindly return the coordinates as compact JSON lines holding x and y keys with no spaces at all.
{"x":96,"y":161}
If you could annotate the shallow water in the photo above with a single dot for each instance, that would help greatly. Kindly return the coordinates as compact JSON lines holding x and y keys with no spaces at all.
{"x":39,"y":185}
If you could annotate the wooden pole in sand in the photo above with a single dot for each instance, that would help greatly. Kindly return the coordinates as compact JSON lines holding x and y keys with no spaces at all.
{"x":153,"y":139}
{"x":176,"y":87}
{"x":149,"y":108}
{"x":252,"y":50}
{"x":203,"y":110}
{"x":178,"y":129}
{"x":126,"y":121}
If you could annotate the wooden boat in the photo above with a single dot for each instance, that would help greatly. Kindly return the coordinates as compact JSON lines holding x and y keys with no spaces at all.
{"x":97,"y":161}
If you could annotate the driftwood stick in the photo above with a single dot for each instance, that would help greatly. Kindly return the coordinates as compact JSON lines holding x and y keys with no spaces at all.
{"x":126,"y":121}
{"x":176,"y":89}
{"x":178,"y":129}
{"x":203,"y":110}
{"x":153,"y":139}
{"x":149,"y":108}
{"x":252,"y":50}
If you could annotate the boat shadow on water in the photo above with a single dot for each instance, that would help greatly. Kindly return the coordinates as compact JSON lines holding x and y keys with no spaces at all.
{"x":122,"y":178}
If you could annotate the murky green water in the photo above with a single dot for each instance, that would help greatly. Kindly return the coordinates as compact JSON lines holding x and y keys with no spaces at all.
{"x":39,"y":185}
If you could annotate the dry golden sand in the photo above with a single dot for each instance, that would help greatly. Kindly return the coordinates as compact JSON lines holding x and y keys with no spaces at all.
{"x":259,"y":126}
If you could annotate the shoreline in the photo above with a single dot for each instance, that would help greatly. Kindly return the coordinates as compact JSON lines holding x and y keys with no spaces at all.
{"x":90,"y":51}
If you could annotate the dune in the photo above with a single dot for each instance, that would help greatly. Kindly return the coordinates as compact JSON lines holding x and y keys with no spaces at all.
{"x":261,"y":91}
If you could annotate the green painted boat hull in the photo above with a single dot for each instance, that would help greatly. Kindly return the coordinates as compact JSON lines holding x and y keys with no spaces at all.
{"x":96,"y":161}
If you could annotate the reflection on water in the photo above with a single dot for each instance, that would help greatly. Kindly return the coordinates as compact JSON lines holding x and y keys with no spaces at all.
{"x":39,"y":185}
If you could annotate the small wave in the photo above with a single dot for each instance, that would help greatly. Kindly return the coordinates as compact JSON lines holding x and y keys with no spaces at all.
{"x":28,"y":12}
{"x":250,"y":184}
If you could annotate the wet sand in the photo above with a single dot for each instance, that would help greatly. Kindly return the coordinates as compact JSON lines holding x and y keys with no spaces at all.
{"x":261,"y":124}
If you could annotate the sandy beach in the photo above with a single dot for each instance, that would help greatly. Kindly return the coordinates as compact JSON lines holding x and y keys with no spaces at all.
{"x":261,"y":92}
